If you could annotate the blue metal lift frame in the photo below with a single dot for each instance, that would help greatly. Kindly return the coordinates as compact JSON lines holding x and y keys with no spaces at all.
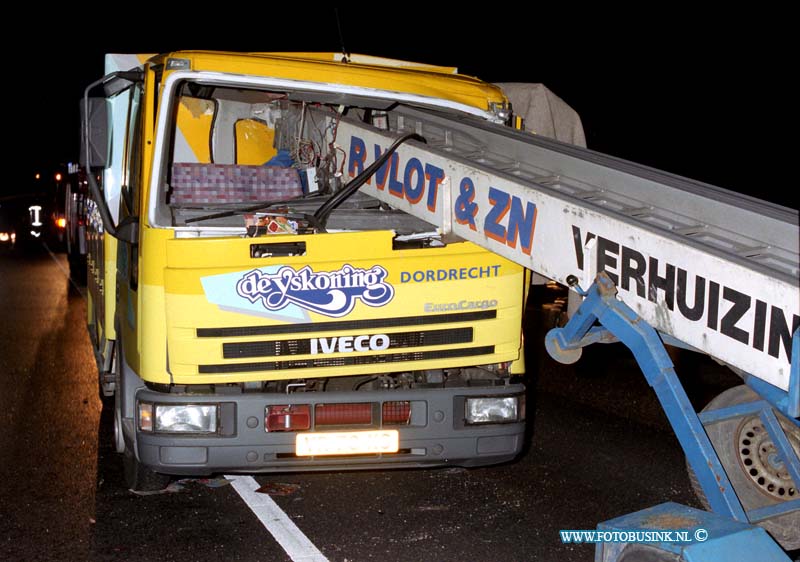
{"x":619,"y":322}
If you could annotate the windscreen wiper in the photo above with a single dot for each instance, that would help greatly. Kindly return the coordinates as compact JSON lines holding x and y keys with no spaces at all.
{"x":353,"y":185}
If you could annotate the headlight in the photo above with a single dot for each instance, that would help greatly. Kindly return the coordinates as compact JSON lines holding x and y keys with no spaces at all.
{"x":492,"y":409}
{"x":178,"y":418}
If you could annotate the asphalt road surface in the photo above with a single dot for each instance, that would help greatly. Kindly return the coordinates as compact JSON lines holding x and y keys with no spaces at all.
{"x":600,"y":448}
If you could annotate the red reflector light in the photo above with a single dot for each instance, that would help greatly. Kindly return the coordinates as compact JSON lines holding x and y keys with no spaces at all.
{"x":293,"y":417}
{"x":343,"y":414}
{"x":396,"y":412}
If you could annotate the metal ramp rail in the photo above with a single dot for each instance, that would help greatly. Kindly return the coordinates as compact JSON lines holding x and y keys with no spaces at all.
{"x":713,"y":269}
{"x":668,"y":260}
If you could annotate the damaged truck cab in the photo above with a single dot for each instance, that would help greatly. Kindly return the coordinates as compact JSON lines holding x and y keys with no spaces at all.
{"x":251,"y":310}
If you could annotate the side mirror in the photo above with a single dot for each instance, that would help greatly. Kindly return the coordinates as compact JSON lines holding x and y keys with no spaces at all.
{"x":94,"y":132}
{"x":95,"y":146}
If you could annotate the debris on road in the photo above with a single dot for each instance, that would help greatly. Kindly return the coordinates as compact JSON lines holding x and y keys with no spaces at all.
{"x":278,"y":489}
{"x":179,"y":485}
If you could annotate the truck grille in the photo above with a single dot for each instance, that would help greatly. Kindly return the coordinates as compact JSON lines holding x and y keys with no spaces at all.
{"x":345,"y":361}
{"x":303,"y":346}
{"x":372,"y":324}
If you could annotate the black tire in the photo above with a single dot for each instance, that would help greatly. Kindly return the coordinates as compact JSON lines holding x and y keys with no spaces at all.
{"x":108,"y":396}
{"x":140,"y":478}
{"x":77,"y":269}
{"x":107,"y":400}
{"x":119,"y":433}
{"x":727,"y":438}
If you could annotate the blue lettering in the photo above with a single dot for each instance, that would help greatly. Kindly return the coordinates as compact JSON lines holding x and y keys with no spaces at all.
{"x":434,"y":175}
{"x":500,"y":203}
{"x":395,"y":187}
{"x":421,"y":275}
{"x":521,"y":224}
{"x":382,"y":173}
{"x":414,"y":194}
{"x":358,"y":153}
{"x":464,"y":209}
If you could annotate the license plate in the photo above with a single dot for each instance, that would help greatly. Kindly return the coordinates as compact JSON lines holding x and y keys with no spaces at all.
{"x":347,"y":443}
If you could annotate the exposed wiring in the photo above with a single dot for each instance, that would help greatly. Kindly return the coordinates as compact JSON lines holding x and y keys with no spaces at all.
{"x":361,"y":383}
{"x":340,"y":170}
{"x":306,"y":153}
{"x":353,"y":185}
{"x":333,"y":128}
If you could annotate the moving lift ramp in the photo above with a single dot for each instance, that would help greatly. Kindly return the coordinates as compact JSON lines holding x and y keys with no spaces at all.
{"x":663,"y":258}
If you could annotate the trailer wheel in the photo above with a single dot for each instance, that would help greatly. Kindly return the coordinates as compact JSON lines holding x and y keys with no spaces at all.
{"x":749,"y":458}
{"x":140,"y":478}
{"x":647,"y":553}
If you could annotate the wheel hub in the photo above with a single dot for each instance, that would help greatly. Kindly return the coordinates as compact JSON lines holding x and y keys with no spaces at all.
{"x":761,"y":461}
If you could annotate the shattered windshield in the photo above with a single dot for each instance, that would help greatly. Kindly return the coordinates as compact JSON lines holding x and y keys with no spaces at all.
{"x":263,"y":161}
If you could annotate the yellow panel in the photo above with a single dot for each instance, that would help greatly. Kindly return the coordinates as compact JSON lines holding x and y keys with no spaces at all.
{"x":369,"y":60}
{"x":110,"y":285}
{"x":254,"y":142}
{"x":413,"y":80}
{"x":426,"y":281}
{"x":195,"y":117}
{"x":151,"y":330}
{"x":152,"y":347}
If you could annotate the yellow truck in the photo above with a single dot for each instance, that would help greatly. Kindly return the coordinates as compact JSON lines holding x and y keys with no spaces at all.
{"x":252,"y":310}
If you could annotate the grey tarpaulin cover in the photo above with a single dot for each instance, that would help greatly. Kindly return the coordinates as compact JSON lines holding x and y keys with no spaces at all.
{"x":548,"y":115}
{"x":544,"y":112}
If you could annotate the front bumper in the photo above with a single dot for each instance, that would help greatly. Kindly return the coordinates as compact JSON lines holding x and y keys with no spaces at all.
{"x":435,"y":436}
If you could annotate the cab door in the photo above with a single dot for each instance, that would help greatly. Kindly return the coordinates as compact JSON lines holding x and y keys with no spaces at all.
{"x":127,"y":282}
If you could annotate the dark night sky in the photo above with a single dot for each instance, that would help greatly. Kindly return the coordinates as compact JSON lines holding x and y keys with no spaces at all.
{"x":710,"y":105}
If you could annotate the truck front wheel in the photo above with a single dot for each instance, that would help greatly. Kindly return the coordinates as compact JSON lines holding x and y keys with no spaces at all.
{"x":139,"y":478}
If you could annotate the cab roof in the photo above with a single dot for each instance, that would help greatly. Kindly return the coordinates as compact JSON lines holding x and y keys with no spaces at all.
{"x":357,"y":70}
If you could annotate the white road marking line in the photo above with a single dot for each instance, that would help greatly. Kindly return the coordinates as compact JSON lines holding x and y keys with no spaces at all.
{"x":64,"y":271}
{"x":292,"y":539}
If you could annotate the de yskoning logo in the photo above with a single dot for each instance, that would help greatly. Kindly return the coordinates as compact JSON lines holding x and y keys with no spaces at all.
{"x":332,"y":293}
